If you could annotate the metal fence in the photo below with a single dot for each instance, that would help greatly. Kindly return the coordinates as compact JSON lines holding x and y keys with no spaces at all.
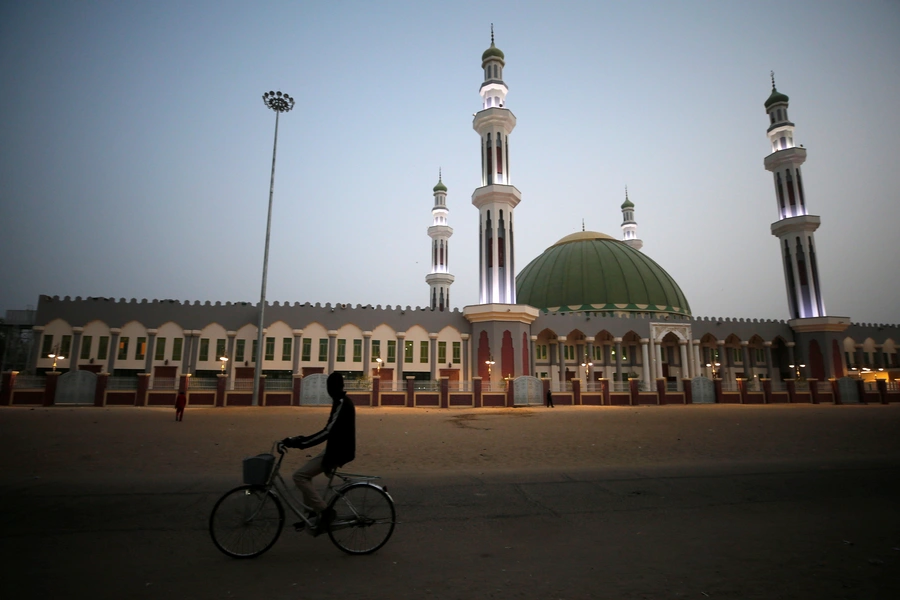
{"x":164,"y":383}
{"x":392,"y":386}
{"x":30,"y":382}
{"x":824,"y":386}
{"x":282,"y":384}
{"x":427,"y":386}
{"x":121,"y":383}
{"x":779,"y":386}
{"x":729,"y":386}
{"x":801,"y":386}
{"x":460,"y":386}
{"x":242,"y":385}
{"x":870,"y":386}
{"x":620,"y":386}
{"x":893,"y":386}
{"x":203,"y":383}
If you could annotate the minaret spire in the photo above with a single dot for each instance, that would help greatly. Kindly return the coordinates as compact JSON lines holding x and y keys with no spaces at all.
{"x":496,"y":198}
{"x":795,"y":226}
{"x":439,"y":279}
{"x":629,"y":225}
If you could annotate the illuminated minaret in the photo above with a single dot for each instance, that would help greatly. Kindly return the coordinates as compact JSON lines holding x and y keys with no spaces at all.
{"x":496,"y":198}
{"x":439,"y":279}
{"x":629,"y":225}
{"x":795,"y":226}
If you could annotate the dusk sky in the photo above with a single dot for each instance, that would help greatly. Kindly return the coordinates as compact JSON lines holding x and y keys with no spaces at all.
{"x":136,"y":149}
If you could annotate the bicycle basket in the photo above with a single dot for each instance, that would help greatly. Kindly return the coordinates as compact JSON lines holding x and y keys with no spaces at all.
{"x":258,"y":468}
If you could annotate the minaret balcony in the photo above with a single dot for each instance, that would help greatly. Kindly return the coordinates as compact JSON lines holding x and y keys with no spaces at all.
{"x":494,"y":118}
{"x":496,"y":194}
{"x":801,"y":224}
{"x":789,"y":157}
{"x":440,"y":231}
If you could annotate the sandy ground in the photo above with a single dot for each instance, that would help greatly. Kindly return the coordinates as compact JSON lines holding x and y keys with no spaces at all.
{"x":87,"y":442}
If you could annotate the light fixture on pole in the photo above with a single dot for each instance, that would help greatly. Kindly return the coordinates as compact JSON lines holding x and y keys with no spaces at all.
{"x":714,"y":367}
{"x":55,"y":355}
{"x":586,"y":366}
{"x":279,"y":103}
{"x":797,"y":369}
{"x":490,"y":363}
{"x":224,"y":360}
{"x":378,"y":361}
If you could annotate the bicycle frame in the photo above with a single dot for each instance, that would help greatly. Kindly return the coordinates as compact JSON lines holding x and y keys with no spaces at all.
{"x":278,"y":486}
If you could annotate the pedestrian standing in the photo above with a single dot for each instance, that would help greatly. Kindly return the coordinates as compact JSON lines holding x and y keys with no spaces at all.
{"x":549,"y":399}
{"x":180,"y":403}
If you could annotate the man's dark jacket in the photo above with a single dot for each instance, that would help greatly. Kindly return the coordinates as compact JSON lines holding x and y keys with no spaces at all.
{"x":339,"y":432}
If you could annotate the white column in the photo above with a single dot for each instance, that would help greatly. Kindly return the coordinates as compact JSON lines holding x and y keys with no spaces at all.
{"x":698,"y":369}
{"x":659,"y":362}
{"x":685,"y":371}
{"x":645,"y":359}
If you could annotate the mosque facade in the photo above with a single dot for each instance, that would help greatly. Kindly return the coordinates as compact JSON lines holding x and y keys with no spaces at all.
{"x":591,"y":315}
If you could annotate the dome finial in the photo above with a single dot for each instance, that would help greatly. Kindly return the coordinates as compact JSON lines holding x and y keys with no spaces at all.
{"x":439,"y":174}
{"x":772,"y":74}
{"x":492,"y":34}
{"x":626,"y":192}
{"x":582,"y":224}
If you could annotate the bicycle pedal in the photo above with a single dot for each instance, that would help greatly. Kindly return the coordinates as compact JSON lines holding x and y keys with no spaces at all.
{"x":299,"y":526}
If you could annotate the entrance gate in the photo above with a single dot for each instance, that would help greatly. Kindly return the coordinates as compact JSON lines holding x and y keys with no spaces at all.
{"x":703,"y":391}
{"x":76,"y":387}
{"x":848,"y":390}
{"x":313,"y":391}
{"x":528,"y":391}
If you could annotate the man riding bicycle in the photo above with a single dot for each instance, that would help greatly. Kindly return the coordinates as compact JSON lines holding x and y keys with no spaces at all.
{"x":339,"y":434}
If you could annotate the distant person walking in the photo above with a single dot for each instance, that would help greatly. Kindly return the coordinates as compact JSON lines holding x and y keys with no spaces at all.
{"x":549,"y":399}
{"x":180,"y":403}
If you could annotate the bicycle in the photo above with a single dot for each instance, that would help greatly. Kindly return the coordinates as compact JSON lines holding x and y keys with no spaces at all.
{"x":248,"y":520}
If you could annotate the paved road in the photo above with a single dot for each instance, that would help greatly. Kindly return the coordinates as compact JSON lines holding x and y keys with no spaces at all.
{"x":764,"y":530}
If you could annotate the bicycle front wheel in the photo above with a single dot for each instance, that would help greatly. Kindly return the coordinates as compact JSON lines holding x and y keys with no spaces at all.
{"x":364,"y":518}
{"x":246,"y":521}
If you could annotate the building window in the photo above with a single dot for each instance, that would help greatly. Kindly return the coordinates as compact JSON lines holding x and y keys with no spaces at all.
{"x":47,"y":346}
{"x":286,"y":348}
{"x":569,"y":352}
{"x":239,"y":350}
{"x":341,"y":350}
{"x":160,"y":350}
{"x":760,"y":355}
{"x":736,"y":357}
{"x":103,"y":347}
{"x":140,"y":349}
{"x":376,"y":349}
{"x":177,"y":345}
{"x":323,"y":349}
{"x":357,"y":350}
{"x":408,"y":352}
{"x":254,"y":350}
{"x":65,"y":346}
{"x":204,"y":350}
{"x":123,"y":348}
{"x":423,"y":352}
{"x":86,"y":347}
{"x":392,"y":351}
{"x":442,"y":352}
{"x":307,"y":350}
{"x":270,"y":349}
{"x":220,"y":349}
{"x":457,"y":351}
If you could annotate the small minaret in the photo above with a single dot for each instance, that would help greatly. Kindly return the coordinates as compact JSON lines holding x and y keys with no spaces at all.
{"x":795,"y":226}
{"x":496,"y":198}
{"x":629,"y":225}
{"x":439,"y":279}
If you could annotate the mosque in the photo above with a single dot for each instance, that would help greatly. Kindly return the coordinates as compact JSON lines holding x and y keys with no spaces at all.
{"x":592,"y":319}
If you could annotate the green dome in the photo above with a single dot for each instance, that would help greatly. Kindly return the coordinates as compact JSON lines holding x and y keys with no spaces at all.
{"x":628,"y":203}
{"x":492,"y":51}
{"x":590,"y":271}
{"x":440,"y":187}
{"x":775,"y":97}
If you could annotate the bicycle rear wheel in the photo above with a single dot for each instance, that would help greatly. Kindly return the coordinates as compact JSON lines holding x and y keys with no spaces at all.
{"x":364,"y":518}
{"x":246,"y":521}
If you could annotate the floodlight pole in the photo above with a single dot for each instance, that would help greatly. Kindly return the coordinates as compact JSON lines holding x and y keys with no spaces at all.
{"x":279,"y":103}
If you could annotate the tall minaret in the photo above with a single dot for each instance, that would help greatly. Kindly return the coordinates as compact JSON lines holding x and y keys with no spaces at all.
{"x":795,"y":227}
{"x":496,"y":198}
{"x":629,"y":225}
{"x":439,"y":279}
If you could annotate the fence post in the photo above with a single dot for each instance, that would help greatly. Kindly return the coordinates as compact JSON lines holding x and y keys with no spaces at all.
{"x":767,"y":390}
{"x":742,"y":388}
{"x":881,"y":384}
{"x":376,"y":390}
{"x":100,"y":390}
{"x":476,"y":392}
{"x":688,"y":391}
{"x":296,"y":388}
{"x":861,"y":390}
{"x":792,"y":390}
{"x":221,"y":382}
{"x":140,"y":396}
{"x":634,"y":392}
{"x":262,"y":390}
{"x":445,"y":392}
{"x":50,"y":388}
{"x":576,"y":392}
{"x":813,"y":390}
{"x":604,"y":389}
{"x":410,"y":391}
{"x":836,"y":391}
{"x":9,"y":380}
{"x":717,"y":385}
{"x":660,"y":391}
